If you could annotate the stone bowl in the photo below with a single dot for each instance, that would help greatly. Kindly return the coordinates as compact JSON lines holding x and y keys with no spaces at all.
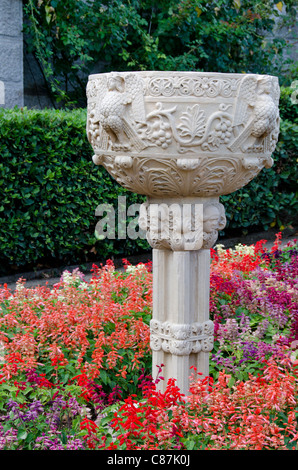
{"x":182,"y":134}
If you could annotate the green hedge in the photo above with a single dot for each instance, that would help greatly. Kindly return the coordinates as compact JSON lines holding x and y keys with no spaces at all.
{"x":50,"y":189}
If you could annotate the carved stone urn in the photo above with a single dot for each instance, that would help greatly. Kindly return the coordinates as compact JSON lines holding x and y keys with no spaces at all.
{"x":183,"y":139}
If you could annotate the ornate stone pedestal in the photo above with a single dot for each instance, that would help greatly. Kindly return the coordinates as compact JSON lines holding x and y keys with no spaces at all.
{"x":183,"y":139}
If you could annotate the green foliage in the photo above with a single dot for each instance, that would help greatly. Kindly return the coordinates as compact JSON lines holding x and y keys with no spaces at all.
{"x":50,"y":189}
{"x":288,"y":110}
{"x":74,"y":38}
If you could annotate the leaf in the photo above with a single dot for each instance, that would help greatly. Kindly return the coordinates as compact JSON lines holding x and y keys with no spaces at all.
{"x":22,"y":434}
{"x":190,"y":444}
{"x":105,"y":420}
{"x":279,"y":6}
{"x":63,"y":437}
{"x":231,"y":382}
{"x":104,"y":376}
{"x":48,"y":14}
{"x":193,"y":122}
{"x":65,"y":378}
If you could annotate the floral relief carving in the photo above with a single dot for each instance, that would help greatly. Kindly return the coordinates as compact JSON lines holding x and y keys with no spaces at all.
{"x":184,"y":86}
{"x":208,"y":135}
{"x":181,"y":339}
{"x":193,"y":123}
{"x":165,"y":177}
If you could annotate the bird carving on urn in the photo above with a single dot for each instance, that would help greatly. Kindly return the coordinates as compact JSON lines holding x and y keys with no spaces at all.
{"x":119,"y":107}
{"x":256,"y":115}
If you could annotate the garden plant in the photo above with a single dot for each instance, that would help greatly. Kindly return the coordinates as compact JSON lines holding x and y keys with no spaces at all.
{"x":75,"y":367}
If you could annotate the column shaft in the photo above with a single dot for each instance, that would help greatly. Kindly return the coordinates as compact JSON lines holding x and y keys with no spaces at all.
{"x":180,"y":299}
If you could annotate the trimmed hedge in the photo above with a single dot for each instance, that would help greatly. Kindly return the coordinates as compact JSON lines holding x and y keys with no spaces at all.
{"x":50,"y":189}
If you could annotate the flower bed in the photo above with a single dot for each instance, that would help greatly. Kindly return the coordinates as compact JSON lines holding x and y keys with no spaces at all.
{"x":75,"y":361}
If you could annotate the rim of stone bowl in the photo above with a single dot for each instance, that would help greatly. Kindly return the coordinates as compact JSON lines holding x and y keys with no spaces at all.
{"x":177,"y":72}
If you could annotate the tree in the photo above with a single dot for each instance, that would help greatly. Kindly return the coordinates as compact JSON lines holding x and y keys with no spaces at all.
{"x":73,"y":38}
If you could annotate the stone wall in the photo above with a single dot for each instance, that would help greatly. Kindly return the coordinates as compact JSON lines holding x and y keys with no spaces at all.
{"x":11,"y":54}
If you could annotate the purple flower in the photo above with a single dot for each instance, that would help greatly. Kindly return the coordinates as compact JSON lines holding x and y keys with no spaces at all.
{"x":74,"y":444}
{"x":8,"y":437}
{"x":54,"y":443}
{"x":46,"y":443}
{"x":250,"y":350}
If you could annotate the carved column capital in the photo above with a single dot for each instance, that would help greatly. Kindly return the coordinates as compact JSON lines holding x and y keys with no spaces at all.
{"x":181,"y":226}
